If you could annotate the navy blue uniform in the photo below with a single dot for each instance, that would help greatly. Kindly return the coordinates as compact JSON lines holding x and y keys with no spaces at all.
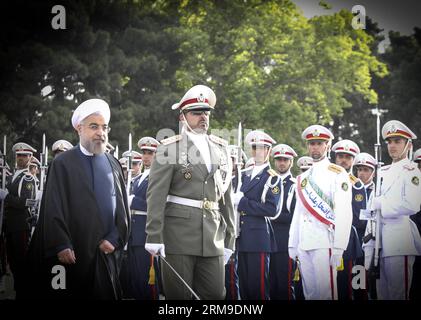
{"x":16,"y":227}
{"x":144,"y":280}
{"x":232,"y":286}
{"x":281,"y":265}
{"x":353,"y":253}
{"x":256,"y":239}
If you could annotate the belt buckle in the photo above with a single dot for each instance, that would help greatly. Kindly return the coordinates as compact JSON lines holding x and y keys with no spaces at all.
{"x":206,"y":204}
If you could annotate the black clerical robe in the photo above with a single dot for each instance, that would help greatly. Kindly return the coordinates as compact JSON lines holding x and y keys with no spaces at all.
{"x":70,"y":218}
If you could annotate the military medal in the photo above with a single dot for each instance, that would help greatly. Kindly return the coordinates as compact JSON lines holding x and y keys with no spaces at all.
{"x":187,"y":175}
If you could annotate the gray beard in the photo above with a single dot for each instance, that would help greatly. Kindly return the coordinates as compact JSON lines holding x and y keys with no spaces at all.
{"x":94,"y":147}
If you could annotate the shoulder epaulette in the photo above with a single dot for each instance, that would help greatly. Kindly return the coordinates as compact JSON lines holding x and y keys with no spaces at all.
{"x":335,"y":168}
{"x":410,"y":167}
{"x":218,"y":140}
{"x":353,"y":179}
{"x":272,"y":173}
{"x":172,"y":139}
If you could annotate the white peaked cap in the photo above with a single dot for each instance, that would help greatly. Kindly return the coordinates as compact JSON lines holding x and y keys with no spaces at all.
{"x":197,"y":97}
{"x":283,"y":151}
{"x":317,"y":132}
{"x":395,"y":128}
{"x":89,"y":107}
{"x":148,"y":143}
{"x":305,"y":162}
{"x":417,"y":155}
{"x":257,"y":137}
{"x":23,"y":148}
{"x":346,"y":146}
{"x":365,"y":159}
{"x":63,"y":145}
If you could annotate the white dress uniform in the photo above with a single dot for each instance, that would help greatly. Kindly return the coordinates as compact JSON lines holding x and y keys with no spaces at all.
{"x":400,"y":240}
{"x":317,"y":245}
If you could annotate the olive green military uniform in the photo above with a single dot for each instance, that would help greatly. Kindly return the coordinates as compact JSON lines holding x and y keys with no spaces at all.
{"x":194,"y":237}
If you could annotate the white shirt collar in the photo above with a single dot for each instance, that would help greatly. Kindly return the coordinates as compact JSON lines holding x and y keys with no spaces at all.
{"x":286,"y":174}
{"x":258,"y":168}
{"x":84,"y":151}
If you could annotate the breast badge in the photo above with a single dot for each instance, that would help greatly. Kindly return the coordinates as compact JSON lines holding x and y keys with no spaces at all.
{"x":415,"y":181}
{"x":359,"y":197}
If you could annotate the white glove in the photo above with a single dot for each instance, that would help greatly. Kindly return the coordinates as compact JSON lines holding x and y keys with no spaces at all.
{"x":377,"y":203}
{"x":130,"y":200}
{"x":237,"y":197}
{"x":3,"y":193}
{"x":227,"y":255}
{"x":335,"y":259}
{"x":293,"y":253}
{"x":155,"y":249}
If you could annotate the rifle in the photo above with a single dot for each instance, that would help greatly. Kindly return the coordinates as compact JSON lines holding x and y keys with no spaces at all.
{"x":375,"y":269}
{"x":129,"y":166}
{"x":3,"y":180}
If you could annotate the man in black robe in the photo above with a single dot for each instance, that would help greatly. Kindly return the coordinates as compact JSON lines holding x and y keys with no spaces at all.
{"x":84,"y":217}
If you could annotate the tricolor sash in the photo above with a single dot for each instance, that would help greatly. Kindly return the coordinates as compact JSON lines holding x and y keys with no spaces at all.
{"x":315,"y":201}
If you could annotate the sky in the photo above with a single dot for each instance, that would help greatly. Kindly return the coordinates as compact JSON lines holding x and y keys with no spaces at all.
{"x":396,"y":15}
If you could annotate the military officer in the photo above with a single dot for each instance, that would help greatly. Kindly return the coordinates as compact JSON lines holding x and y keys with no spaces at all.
{"x":142,"y":267}
{"x":136,"y":162}
{"x":345,"y":153}
{"x":304,"y":163}
{"x":20,"y":187}
{"x":257,"y":200}
{"x":123,"y":162}
{"x":281,"y":266}
{"x":60,"y":146}
{"x":190,"y":220}
{"x":366,"y":168}
{"x":322,"y":219}
{"x":399,"y":198}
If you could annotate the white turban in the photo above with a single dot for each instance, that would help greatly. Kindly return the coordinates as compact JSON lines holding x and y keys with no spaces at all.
{"x":89,"y":107}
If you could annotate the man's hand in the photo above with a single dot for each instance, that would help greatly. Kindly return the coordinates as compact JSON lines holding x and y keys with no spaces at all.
{"x":227,"y":255}
{"x":293,"y":253}
{"x":237,"y":197}
{"x":66,"y":256}
{"x":3,"y":193}
{"x":377,"y":203}
{"x":335,"y":259}
{"x":106,"y":247}
{"x":155,"y":249}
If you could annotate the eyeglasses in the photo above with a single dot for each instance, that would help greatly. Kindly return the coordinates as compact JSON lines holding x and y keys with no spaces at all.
{"x":200,"y":112}
{"x":95,"y":127}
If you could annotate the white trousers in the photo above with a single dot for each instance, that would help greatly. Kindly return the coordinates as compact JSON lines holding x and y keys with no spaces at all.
{"x":395,"y":277}
{"x":318,"y":277}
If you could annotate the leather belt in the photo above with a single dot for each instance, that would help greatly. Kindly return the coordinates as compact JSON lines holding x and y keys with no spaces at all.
{"x":201,"y":204}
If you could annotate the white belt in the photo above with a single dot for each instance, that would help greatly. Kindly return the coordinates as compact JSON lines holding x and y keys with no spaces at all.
{"x":201,"y":204}
{"x":139,"y":213}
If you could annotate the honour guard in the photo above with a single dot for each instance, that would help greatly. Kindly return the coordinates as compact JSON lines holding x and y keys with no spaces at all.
{"x":345,"y":153}
{"x":399,"y":198}
{"x":60,"y":146}
{"x":304,"y":163}
{"x":190,"y":220}
{"x":136,"y":159}
{"x":142,"y":267}
{"x":281,"y":266}
{"x":366,"y":168}
{"x":20,"y":188}
{"x":257,"y":201}
{"x":322,"y":219}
